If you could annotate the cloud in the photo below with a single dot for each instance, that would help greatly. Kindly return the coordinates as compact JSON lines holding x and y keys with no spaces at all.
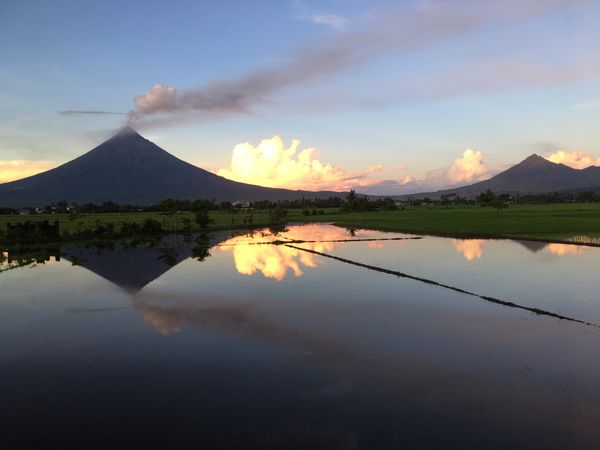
{"x":466,"y":169}
{"x":577,"y":160}
{"x":75,"y":112}
{"x":469,"y":168}
{"x":17,"y":169}
{"x":397,"y":31}
{"x":332,"y":21}
{"x":272,"y":164}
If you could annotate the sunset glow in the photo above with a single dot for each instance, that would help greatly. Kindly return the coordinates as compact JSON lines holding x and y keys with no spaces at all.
{"x":576,"y":160}
{"x":17,"y":169}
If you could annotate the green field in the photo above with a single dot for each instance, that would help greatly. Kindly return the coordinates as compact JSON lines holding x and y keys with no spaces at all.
{"x":558,"y":222}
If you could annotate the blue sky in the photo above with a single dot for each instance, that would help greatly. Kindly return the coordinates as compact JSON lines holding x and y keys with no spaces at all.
{"x":523,"y":78}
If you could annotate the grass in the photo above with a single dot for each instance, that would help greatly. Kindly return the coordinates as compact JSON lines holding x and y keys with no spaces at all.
{"x":558,"y":222}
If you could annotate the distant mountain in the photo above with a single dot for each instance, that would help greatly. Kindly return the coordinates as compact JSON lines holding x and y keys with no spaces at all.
{"x":534,"y":175}
{"x":128,"y":168}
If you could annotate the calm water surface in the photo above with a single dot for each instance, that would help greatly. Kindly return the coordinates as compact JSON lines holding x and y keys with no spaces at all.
{"x":265,"y":341}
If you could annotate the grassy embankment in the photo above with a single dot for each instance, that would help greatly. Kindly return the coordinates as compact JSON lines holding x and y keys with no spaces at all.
{"x":562,"y":222}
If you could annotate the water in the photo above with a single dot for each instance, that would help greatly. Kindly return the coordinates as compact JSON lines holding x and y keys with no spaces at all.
{"x":240,"y":341}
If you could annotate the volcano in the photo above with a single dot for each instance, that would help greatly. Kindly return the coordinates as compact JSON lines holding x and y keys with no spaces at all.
{"x":130,"y":169}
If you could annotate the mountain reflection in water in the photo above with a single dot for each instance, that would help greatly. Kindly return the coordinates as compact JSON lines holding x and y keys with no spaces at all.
{"x":302,"y":338}
{"x":474,"y":248}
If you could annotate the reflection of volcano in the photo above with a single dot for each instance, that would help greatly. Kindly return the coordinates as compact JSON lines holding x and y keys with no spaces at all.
{"x":133,"y":268}
{"x":533,"y":246}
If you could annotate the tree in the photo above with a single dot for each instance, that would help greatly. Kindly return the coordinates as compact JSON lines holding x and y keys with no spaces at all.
{"x":277,"y":216}
{"x":351,"y":201}
{"x":486,"y":198}
{"x":200,"y":211}
{"x":499,"y":205}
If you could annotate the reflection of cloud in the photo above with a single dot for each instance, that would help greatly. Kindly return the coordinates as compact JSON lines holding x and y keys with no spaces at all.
{"x":566,"y":249}
{"x":165,"y":324}
{"x":8,"y":261}
{"x":274,"y":261}
{"x":345,"y":346}
{"x":470,"y":248}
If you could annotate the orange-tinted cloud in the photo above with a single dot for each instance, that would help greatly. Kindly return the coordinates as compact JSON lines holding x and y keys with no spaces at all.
{"x":577,"y":160}
{"x":468,"y":168}
{"x":272,"y":164}
{"x":17,"y":169}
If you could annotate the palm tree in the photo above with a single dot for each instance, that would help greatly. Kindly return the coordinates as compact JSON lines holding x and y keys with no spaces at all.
{"x":351,"y":199}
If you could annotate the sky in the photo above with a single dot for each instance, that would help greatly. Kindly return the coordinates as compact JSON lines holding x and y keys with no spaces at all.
{"x":387,"y":97}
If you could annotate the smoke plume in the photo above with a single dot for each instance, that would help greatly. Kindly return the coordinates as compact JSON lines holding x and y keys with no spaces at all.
{"x":397,"y":32}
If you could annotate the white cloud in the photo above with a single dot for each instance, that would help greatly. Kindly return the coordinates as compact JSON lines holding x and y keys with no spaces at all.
{"x":333,"y":21}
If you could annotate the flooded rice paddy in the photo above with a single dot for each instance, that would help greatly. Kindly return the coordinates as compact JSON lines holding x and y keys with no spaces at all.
{"x":316,"y":337}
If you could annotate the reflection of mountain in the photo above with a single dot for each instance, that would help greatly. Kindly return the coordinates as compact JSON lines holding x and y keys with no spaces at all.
{"x":555,"y":248}
{"x":533,"y":246}
{"x":133,"y":268}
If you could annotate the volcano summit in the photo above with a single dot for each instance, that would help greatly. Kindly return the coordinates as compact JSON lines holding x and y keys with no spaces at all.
{"x":128,"y":168}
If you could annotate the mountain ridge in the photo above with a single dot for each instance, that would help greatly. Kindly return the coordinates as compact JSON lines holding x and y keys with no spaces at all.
{"x":533,"y":175}
{"x":128,"y":168}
